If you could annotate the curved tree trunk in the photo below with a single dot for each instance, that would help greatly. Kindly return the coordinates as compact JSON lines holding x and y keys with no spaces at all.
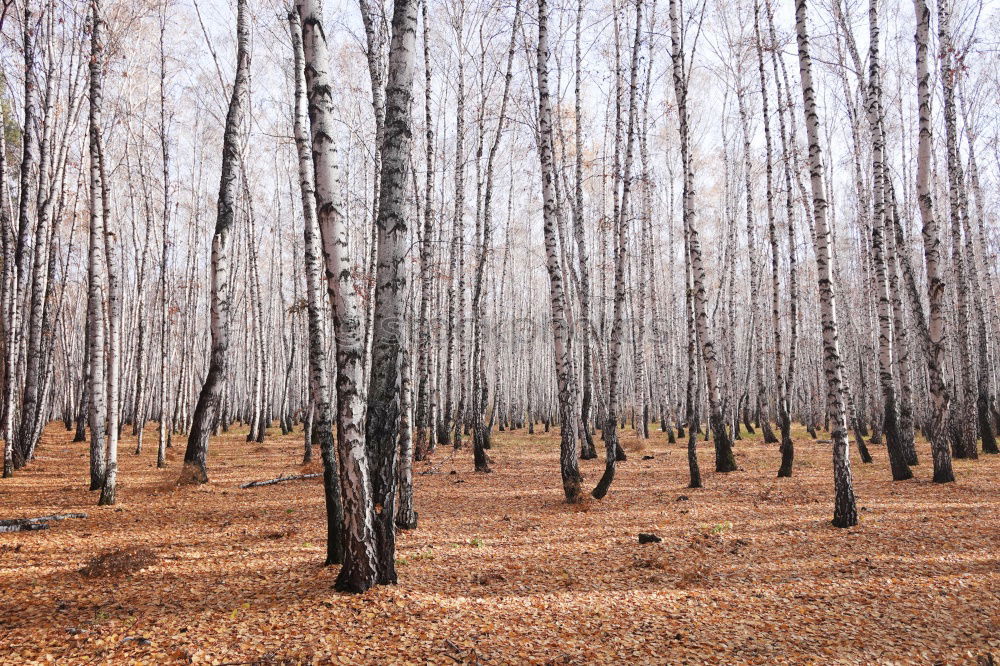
{"x":616,"y":352}
{"x":207,"y":410}
{"x":724,"y":460}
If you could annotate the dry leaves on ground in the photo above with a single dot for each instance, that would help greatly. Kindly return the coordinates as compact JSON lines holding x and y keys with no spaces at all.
{"x":501,"y":570}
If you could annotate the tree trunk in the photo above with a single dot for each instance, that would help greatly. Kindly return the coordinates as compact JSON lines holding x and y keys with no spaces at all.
{"x":787,"y":447}
{"x":164,"y":429}
{"x":895,"y":445}
{"x":935,"y":349}
{"x":621,"y":232}
{"x":95,"y":318}
{"x":384,"y":394}
{"x":206,"y":412}
{"x":406,"y":517}
{"x":321,"y":422}
{"x":845,"y":510}
{"x":724,"y":460}
{"x":561,"y":330}
{"x":358,"y":573}
{"x":425,"y":412}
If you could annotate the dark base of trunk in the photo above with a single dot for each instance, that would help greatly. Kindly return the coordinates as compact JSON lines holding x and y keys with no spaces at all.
{"x":107,"y":497}
{"x":421,"y":446}
{"x":787,"y":445}
{"x":906,"y":430}
{"x":193,"y":472}
{"x":943,"y":472}
{"x":724,"y":460}
{"x":694,"y":471}
{"x":571,"y":479}
{"x":353,"y":579}
{"x":985,"y":427}
{"x":769,"y":436}
{"x":407,"y":522}
{"x":845,"y":511}
{"x":876,"y":438}
{"x":866,"y":456}
{"x":848,"y":519}
{"x":334,"y":513}
{"x":944,"y":476}
{"x":480,"y":439}
{"x":611,"y":448}
{"x":787,"y":457}
{"x":895,"y":446}
{"x":601,"y":489}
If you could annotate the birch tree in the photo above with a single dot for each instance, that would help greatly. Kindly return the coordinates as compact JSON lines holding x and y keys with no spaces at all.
{"x":845,"y":510}
{"x":358,"y":572}
{"x":384,"y":390}
{"x":206,"y":412}
{"x":561,"y":330}
{"x":935,"y":349}
{"x":724,"y":460}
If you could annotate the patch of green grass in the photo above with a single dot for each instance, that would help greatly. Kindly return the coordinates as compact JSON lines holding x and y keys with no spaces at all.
{"x":722,"y":527}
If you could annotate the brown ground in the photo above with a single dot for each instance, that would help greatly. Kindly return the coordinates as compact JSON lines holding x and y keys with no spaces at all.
{"x":502,"y":571}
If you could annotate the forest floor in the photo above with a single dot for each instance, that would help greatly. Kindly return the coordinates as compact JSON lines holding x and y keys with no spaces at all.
{"x":501,"y":570}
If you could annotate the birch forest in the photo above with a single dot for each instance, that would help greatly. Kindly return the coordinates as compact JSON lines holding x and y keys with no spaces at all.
{"x":500,"y":331}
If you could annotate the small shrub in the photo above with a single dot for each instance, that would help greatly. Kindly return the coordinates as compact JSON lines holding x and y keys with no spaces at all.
{"x":488,"y":578}
{"x":697,"y":575}
{"x":119,"y":562}
{"x":633,"y":444}
{"x":283,"y":533}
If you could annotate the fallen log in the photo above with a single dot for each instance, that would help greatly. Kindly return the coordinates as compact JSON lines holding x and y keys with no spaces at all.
{"x":23,"y":527}
{"x":280,"y":479}
{"x":32,"y":524}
